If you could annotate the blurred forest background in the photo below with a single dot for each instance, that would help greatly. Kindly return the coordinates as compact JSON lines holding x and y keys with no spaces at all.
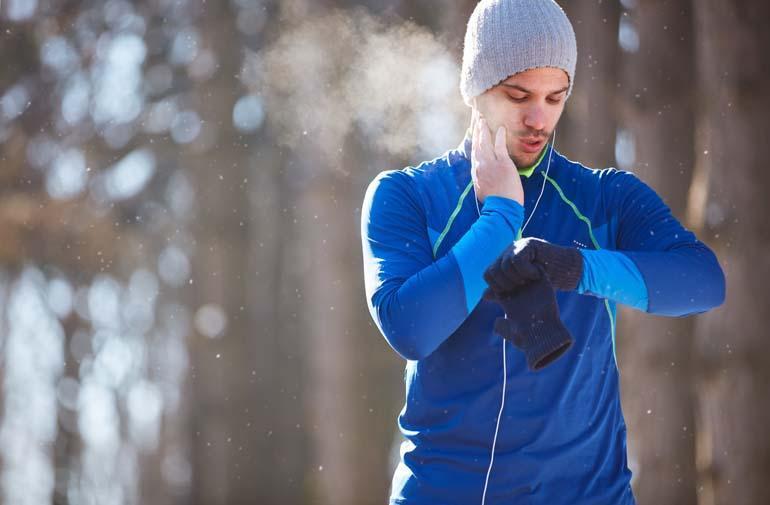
{"x":182,"y":313}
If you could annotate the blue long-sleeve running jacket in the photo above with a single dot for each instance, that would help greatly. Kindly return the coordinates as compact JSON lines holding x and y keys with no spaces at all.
{"x":562,"y":437}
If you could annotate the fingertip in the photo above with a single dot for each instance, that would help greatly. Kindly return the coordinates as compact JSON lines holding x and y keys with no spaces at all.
{"x":500,"y":137}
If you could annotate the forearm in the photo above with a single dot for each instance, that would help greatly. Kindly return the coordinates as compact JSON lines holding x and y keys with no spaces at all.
{"x":680,"y":273}
{"x":418,"y":314}
{"x":681,"y":281}
{"x":612,"y":275}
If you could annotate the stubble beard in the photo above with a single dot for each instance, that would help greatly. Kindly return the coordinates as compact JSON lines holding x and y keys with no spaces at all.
{"x":525,"y":160}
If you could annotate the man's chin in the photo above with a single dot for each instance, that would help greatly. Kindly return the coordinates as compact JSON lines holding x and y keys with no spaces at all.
{"x":524,"y":161}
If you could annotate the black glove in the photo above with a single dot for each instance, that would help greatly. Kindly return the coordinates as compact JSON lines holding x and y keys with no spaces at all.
{"x":532,"y":323}
{"x":516,"y":266}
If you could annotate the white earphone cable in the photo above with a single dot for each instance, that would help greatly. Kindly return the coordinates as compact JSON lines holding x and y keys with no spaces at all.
{"x":505,"y":368}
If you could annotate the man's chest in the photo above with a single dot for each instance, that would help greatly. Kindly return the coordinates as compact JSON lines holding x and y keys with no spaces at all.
{"x":556,"y":211}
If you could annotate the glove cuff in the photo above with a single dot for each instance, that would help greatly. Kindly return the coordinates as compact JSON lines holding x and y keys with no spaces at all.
{"x":546,"y":340}
{"x":565,"y":267}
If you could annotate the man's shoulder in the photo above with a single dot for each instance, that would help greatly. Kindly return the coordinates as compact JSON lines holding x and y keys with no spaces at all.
{"x":574,"y":168}
{"x":606,"y":179}
{"x":414,"y":180}
{"x":426,"y":175}
{"x":436,"y":167}
{"x":612,"y":186}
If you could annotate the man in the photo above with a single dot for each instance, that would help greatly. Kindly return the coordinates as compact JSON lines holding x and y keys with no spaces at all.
{"x":446,"y":278}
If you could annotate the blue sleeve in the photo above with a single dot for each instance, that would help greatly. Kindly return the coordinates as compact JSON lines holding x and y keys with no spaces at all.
{"x":612,"y":274}
{"x":418,"y":302}
{"x":681,"y":274}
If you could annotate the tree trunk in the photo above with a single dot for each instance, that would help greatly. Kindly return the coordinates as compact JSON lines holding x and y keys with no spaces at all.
{"x":246,"y":416}
{"x":328,"y":311}
{"x":729,"y":199}
{"x":655,"y":353}
{"x":586,"y":132}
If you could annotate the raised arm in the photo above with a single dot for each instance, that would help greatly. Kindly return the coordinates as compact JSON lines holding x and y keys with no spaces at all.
{"x":659,"y":266}
{"x":416,"y":302}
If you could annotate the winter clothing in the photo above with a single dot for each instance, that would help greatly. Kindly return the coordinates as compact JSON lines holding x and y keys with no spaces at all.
{"x":516,"y":265}
{"x":532,"y":322}
{"x":505,"y":37}
{"x":613,"y":275}
{"x":562,"y":437}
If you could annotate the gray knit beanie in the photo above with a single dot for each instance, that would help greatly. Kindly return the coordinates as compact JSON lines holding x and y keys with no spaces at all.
{"x":505,"y":37}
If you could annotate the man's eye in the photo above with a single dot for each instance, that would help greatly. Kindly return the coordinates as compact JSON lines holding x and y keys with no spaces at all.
{"x":517,"y":99}
{"x":554,"y":100}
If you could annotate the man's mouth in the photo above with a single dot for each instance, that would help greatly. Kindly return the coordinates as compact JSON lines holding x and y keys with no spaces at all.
{"x":531,"y":145}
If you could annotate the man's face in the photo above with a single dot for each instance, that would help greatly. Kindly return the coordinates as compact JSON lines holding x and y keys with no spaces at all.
{"x":529,"y":105}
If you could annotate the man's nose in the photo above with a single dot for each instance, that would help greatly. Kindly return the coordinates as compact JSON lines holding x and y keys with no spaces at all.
{"x":534,"y":118}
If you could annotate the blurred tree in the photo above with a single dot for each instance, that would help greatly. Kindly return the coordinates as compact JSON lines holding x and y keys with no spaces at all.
{"x":587,"y":130}
{"x":68,"y":241}
{"x":728,"y":201}
{"x":349,"y":467}
{"x":655,"y":354}
{"x":90,"y":226}
{"x":250,"y":432}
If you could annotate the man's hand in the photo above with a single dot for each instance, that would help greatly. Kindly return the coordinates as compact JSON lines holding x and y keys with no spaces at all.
{"x":518,"y":265}
{"x":492,"y":169}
